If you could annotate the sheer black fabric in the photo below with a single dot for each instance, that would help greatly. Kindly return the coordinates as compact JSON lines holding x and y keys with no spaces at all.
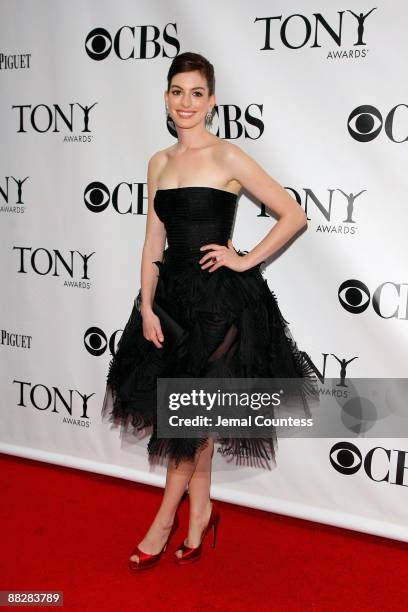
{"x":225,"y":323}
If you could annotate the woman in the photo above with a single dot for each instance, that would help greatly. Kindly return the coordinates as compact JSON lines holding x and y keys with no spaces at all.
{"x":227,"y":321}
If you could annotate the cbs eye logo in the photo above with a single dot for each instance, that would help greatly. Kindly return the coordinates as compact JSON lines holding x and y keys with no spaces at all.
{"x":98,"y":44}
{"x":366,"y":122}
{"x":354,"y":296}
{"x":96,"y":341}
{"x":346,"y":458}
{"x":97,"y":197}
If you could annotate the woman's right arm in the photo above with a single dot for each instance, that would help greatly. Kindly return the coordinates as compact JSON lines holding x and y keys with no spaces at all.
{"x":153,"y":247}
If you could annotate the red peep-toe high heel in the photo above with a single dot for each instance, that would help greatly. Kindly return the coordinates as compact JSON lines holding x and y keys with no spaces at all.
{"x":193,"y":554}
{"x":146,"y":561}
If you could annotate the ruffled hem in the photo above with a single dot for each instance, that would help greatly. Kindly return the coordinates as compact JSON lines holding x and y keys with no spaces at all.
{"x":232,"y":327}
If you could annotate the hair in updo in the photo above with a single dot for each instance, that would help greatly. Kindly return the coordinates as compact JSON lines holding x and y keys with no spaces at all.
{"x":188,"y":61}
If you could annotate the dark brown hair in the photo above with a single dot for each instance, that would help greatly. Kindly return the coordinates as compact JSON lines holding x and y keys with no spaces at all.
{"x":185,"y":62}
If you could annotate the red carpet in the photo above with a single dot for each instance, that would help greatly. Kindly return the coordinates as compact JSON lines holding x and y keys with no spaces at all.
{"x":72,"y":531}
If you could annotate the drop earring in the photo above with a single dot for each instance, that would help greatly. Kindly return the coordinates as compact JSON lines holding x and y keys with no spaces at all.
{"x":209,"y":117}
{"x":168,"y":116}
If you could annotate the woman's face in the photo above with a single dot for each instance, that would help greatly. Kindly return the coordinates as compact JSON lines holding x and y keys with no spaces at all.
{"x":188,"y":100}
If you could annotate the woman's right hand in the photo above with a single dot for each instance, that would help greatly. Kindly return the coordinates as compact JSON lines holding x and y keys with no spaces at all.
{"x":151,"y":328}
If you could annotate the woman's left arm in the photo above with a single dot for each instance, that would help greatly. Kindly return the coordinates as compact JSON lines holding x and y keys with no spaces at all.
{"x":291,"y":217}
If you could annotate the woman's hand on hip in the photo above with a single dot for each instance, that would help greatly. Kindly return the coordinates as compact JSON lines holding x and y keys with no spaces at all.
{"x":220,"y":255}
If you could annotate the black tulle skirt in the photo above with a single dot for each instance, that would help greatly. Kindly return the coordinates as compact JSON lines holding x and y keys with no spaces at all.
{"x":218,"y":324}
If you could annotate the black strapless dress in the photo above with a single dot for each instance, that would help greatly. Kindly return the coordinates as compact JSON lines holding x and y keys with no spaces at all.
{"x":221,"y":324}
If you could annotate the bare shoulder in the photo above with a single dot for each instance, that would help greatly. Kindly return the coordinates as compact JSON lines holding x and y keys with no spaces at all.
{"x":228,"y":151}
{"x":160,"y":157}
{"x":157,"y":162}
{"x":233,"y":160}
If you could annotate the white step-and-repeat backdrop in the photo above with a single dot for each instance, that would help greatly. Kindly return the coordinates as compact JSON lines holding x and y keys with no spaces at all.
{"x":316,"y":93}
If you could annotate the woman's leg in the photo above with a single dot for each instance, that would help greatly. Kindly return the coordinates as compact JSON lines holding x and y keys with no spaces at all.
{"x":177,"y":479}
{"x":199,"y":494}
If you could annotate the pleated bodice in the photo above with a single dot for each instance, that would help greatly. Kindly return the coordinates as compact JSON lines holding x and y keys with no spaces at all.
{"x":194,"y":216}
